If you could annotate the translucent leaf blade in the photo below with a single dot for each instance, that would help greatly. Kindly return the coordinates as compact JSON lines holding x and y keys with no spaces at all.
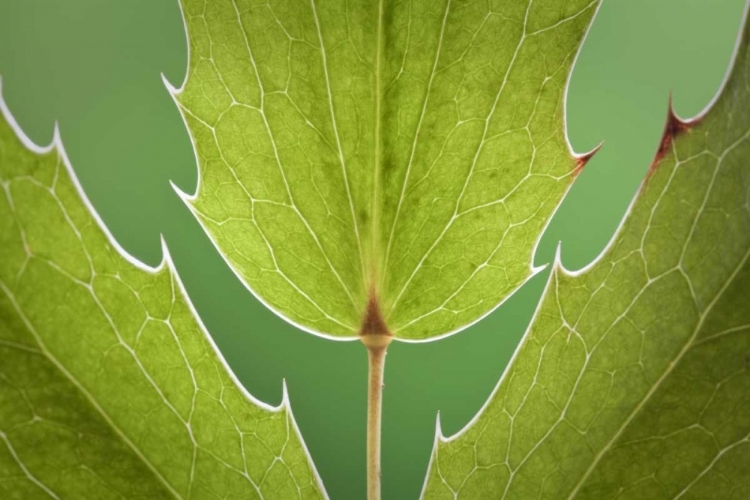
{"x":632,"y":380}
{"x":109,"y":385}
{"x":409,"y":153}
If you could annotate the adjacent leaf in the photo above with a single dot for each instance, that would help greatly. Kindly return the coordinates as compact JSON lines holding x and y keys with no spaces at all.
{"x":400,"y":158}
{"x":109,"y":385}
{"x":633,"y":381}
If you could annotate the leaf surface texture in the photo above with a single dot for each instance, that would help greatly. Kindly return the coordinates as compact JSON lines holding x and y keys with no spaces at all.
{"x":109,"y":385}
{"x":407,"y":154}
{"x":633,"y":380}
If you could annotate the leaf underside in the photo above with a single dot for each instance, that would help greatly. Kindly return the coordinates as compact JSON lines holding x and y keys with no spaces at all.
{"x":633,"y":381}
{"x":407,"y":154}
{"x":109,"y":385}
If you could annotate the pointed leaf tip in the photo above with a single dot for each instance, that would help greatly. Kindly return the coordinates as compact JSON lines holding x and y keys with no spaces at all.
{"x":673,"y":127}
{"x":582,"y":160}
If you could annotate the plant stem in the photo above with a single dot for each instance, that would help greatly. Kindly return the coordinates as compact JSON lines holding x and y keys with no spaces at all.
{"x":377,"y":345}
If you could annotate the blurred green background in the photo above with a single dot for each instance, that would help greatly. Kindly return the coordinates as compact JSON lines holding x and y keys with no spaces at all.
{"x":94,"y":66}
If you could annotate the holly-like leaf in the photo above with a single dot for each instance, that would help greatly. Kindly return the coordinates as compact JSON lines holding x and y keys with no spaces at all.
{"x":633,"y":380}
{"x":109,"y":385}
{"x":380,"y":163}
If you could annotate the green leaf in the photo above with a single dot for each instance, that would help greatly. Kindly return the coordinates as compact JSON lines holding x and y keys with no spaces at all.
{"x":109,"y":385}
{"x":394,"y":158}
{"x":633,"y":380}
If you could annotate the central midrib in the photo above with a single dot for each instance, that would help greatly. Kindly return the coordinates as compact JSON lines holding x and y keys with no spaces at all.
{"x":372,"y":280}
{"x":378,"y":262}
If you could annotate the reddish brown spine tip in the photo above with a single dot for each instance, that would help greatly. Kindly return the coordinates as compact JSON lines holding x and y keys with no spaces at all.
{"x":672,"y":129}
{"x":582,"y":160}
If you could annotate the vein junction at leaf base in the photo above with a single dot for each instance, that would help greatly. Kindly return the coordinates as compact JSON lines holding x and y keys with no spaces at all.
{"x":633,"y":380}
{"x":409,"y":154}
{"x":109,"y":385}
